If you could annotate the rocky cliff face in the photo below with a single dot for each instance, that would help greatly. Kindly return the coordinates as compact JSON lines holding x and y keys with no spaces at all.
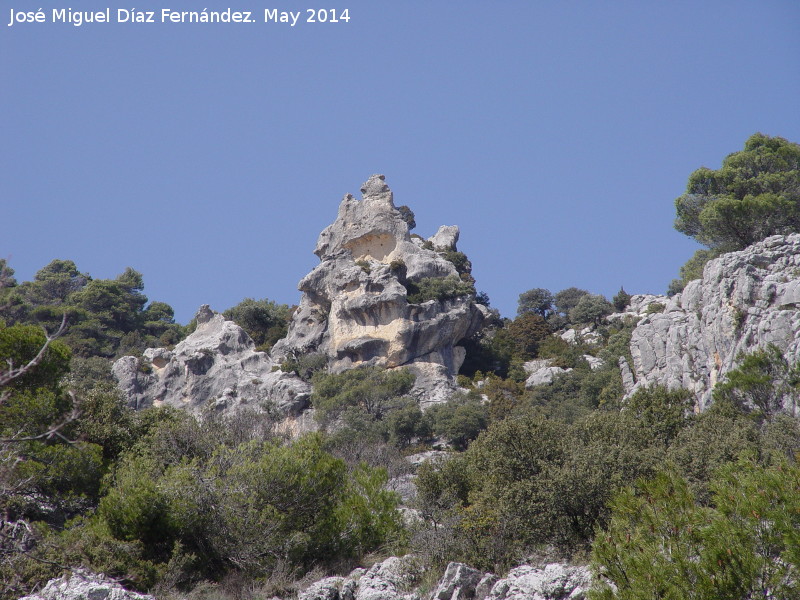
{"x":216,"y":368}
{"x":355,"y":308}
{"x":745,"y":300}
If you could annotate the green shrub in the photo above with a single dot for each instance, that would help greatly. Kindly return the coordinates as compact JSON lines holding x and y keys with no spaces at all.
{"x":654,"y":307}
{"x":264,"y":321}
{"x":661,"y":543}
{"x":250,"y":507}
{"x":373,"y":390}
{"x":438,"y":288}
{"x":459,"y":420}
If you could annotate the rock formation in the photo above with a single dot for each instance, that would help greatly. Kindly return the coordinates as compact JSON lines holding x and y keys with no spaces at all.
{"x":216,"y":367}
{"x":355,"y":309}
{"x":541,"y":372}
{"x":744,"y":301}
{"x":82,"y":585}
{"x":393,"y":579}
{"x":555,"y":581}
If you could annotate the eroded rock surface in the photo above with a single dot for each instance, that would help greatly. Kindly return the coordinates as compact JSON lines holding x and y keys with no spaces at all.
{"x":82,"y":585}
{"x":555,"y":581}
{"x":745,"y":301}
{"x":541,"y":372}
{"x":216,"y":368}
{"x":355,"y":310}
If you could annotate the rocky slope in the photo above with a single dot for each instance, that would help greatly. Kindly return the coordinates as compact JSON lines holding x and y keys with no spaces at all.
{"x":355,"y":309}
{"x":745,"y":300}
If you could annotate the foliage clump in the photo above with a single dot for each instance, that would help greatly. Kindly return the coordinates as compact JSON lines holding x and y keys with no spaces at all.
{"x":438,"y":288}
{"x":264,"y":320}
{"x":106,"y":317}
{"x":755,"y":194}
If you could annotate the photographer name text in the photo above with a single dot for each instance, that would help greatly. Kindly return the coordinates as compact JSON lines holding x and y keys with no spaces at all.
{"x":79,"y":18}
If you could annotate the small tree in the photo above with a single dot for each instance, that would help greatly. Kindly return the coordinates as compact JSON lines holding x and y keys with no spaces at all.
{"x":567,"y":299}
{"x":621,"y":300}
{"x":755,"y":194}
{"x":590,"y":308}
{"x":374,"y":390}
{"x":537,"y":300}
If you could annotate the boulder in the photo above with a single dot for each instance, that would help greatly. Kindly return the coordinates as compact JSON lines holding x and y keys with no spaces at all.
{"x":387,"y":580}
{"x":639,"y":305}
{"x":555,"y":581}
{"x":458,"y":583}
{"x":324,"y":589}
{"x":541,"y":372}
{"x":83,"y":585}
{"x":587,"y":335}
{"x":354,"y":308}
{"x":216,"y":367}
{"x":745,"y":300}
{"x":445,"y":238}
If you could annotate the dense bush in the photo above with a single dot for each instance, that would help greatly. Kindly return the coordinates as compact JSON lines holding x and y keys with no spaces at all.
{"x":459,"y":420}
{"x":264,"y":320}
{"x":373,"y":390}
{"x":662,"y":543}
{"x":438,"y":288}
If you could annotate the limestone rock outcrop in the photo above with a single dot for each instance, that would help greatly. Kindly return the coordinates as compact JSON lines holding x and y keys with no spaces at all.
{"x":458,"y":583}
{"x":355,"y":309}
{"x":555,"y":581}
{"x":216,"y":367}
{"x":745,"y":300}
{"x":541,"y":372}
{"x":394,"y":579}
{"x":82,"y":585}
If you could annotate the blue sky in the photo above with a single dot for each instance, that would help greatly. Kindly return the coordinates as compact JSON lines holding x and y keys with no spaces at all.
{"x":209,"y":157}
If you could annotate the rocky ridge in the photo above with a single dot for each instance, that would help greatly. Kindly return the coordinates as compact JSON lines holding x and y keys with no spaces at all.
{"x":355,"y":307}
{"x":745,"y":300}
{"x":354,"y":311}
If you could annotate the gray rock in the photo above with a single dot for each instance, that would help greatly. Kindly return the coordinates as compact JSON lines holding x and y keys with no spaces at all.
{"x":555,"y":581}
{"x":485,"y":585}
{"x":744,"y":301}
{"x":82,"y":585}
{"x":387,"y":580}
{"x":324,"y":589}
{"x":404,"y":486}
{"x":445,"y":238}
{"x":594,"y":362}
{"x":628,"y":383}
{"x":587,"y":335}
{"x":216,"y":367}
{"x":422,"y":457}
{"x":541,"y":372}
{"x":354,"y":307}
{"x":457,"y":583}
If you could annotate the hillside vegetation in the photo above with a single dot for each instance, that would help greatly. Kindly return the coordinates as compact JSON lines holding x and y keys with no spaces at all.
{"x":662,"y":500}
